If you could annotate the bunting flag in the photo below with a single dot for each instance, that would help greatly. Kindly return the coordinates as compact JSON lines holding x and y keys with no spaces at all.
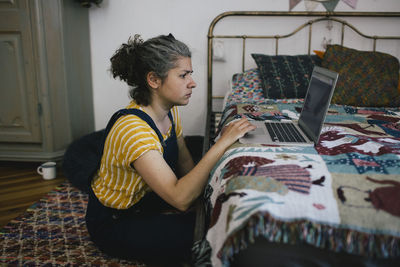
{"x":351,"y":3}
{"x":329,"y":5}
{"x":293,"y":3}
{"x":310,"y":5}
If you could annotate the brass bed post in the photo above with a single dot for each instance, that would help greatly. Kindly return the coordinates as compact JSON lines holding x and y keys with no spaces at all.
{"x":210,"y":37}
{"x":342,"y":37}
{"x":243,"y":52}
{"x":209,"y":94}
{"x":309,"y":38}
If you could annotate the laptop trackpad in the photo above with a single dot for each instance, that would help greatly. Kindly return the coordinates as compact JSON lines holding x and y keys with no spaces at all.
{"x":257,"y":136}
{"x":261,"y":130}
{"x":257,"y":131}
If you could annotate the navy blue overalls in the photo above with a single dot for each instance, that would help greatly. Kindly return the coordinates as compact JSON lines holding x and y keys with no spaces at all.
{"x":144,"y":231}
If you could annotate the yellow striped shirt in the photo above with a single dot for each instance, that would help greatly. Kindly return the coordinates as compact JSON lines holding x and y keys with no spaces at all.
{"x":116,"y":184}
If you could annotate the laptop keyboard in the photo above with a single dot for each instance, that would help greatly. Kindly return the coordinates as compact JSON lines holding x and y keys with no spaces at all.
{"x":284,"y":132}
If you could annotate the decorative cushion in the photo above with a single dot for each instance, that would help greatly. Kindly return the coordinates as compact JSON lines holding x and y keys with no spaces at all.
{"x":285,"y":76}
{"x":319,"y":53}
{"x":246,"y":87}
{"x":367,"y":79}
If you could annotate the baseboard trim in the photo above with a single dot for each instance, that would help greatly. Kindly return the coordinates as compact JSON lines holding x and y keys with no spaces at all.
{"x":32,"y":156}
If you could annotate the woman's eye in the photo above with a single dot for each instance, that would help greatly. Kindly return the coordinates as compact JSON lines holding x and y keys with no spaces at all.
{"x":184,"y":75}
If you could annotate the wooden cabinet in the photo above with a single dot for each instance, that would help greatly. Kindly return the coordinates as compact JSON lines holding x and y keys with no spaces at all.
{"x":46,"y":97}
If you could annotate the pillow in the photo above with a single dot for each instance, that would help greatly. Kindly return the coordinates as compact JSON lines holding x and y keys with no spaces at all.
{"x":319,"y":53}
{"x":246,"y":87}
{"x":285,"y":76}
{"x":368,"y":79}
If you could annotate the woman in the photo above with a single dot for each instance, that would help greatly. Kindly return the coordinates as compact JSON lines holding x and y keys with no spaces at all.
{"x":140,"y":197}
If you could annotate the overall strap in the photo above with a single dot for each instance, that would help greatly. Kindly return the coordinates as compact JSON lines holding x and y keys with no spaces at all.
{"x":141,"y":114}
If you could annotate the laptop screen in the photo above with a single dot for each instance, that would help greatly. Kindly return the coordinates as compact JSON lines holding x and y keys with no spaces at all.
{"x":316,"y":102}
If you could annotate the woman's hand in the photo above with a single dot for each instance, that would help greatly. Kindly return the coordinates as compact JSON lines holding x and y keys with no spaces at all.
{"x":235,"y":130}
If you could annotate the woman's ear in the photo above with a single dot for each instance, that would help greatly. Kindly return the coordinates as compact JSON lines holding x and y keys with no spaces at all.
{"x":153,"y":80}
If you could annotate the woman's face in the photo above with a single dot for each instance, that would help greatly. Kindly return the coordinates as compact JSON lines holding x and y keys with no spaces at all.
{"x":177,"y":86}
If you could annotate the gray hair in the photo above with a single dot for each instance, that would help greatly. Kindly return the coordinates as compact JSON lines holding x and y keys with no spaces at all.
{"x":135,"y":59}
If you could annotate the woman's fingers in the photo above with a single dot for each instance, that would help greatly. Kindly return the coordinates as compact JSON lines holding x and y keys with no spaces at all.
{"x":239,"y":128}
{"x":244,"y":124}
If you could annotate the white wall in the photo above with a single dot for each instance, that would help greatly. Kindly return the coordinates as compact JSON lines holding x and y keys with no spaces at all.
{"x":115,"y":20}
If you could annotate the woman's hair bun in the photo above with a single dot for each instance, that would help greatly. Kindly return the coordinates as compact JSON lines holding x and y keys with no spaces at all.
{"x":134,"y":44}
{"x":123,"y":60}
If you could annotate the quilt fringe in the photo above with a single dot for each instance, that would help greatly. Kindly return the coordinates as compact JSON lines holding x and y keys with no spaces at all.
{"x":321,"y":236}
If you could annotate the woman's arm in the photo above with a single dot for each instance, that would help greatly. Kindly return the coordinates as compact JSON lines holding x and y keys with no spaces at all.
{"x":185,"y":160}
{"x":181,"y":193}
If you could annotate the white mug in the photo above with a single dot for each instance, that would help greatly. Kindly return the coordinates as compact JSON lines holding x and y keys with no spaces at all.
{"x":47,"y":170}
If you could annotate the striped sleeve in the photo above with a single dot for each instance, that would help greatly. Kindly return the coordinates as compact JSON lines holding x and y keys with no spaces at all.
{"x":177,"y":120}
{"x":131,"y":138}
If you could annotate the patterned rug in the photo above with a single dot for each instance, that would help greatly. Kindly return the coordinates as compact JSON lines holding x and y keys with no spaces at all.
{"x":52,"y":232}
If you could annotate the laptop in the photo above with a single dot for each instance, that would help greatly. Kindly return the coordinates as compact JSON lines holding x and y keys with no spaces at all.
{"x":305,"y":131}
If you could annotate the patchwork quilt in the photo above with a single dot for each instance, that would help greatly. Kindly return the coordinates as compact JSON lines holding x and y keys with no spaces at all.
{"x":342,"y":194}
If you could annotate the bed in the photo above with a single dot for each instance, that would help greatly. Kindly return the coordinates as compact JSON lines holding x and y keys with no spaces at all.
{"x":332,"y":204}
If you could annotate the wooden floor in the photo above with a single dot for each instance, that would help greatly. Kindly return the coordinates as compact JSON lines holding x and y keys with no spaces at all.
{"x":21,"y":186}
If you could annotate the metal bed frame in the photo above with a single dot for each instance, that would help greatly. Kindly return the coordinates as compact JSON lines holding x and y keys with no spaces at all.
{"x":315,"y":18}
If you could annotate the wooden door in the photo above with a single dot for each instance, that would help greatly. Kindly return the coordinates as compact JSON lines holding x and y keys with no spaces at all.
{"x":19,"y":105}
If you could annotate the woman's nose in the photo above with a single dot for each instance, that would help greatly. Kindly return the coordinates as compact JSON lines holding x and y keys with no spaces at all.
{"x":192,"y":83}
